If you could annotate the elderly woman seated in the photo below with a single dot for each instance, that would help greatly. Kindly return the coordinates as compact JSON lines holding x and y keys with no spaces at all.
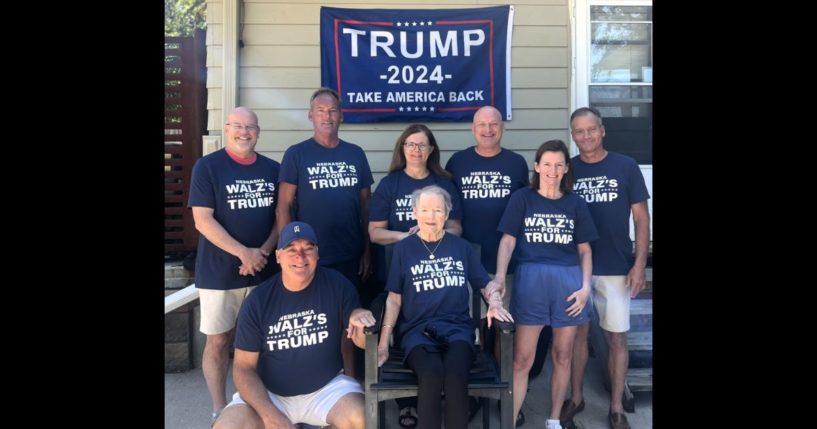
{"x":427,"y":279}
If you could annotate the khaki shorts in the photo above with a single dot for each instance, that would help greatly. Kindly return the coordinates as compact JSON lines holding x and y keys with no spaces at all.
{"x":611,"y":298}
{"x":219,"y":309}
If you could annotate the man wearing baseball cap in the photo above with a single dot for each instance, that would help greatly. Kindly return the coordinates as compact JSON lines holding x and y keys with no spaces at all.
{"x":296,"y":231}
{"x":288,"y":363}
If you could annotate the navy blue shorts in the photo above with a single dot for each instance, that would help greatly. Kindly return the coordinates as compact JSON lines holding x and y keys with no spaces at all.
{"x":540,"y":292}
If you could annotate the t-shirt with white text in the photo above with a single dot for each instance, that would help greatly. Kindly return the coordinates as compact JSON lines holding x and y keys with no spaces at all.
{"x":610,"y":187}
{"x":297,"y":334}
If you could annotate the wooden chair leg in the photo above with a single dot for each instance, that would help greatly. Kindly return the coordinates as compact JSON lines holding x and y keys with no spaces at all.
{"x":506,"y":411}
{"x":371,"y":411}
{"x":486,"y":413}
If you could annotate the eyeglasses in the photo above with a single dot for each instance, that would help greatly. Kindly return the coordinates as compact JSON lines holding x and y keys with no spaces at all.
{"x":415,"y":146}
{"x":591,"y":131}
{"x":249,"y":128}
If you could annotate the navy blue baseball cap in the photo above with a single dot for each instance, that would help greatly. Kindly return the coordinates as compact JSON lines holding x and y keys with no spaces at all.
{"x":296,"y":231}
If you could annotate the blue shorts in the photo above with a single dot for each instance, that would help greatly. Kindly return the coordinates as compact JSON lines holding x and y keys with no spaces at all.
{"x":539,"y":295}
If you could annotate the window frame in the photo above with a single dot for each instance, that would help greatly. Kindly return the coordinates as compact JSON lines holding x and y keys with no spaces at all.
{"x":581,"y":54}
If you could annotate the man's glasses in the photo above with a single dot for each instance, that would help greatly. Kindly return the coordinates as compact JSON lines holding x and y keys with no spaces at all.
{"x":249,"y":128}
{"x":415,"y":146}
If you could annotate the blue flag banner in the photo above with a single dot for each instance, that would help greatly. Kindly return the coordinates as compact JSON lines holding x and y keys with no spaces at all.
{"x":417,"y":65}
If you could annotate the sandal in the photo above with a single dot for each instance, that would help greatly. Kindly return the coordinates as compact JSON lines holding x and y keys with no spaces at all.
{"x":407,"y":414}
{"x":215,"y":416}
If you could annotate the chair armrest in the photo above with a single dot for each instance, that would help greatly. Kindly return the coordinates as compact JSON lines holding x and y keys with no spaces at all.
{"x":370,"y":356}
{"x":378,"y":309}
{"x":504,"y":327}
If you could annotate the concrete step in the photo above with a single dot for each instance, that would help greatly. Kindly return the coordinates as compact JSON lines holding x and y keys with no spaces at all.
{"x":640,"y":306}
{"x":178,"y":323}
{"x":637,"y":340}
{"x":178,"y":282}
{"x":639,"y":337}
{"x":176,"y":270}
{"x":639,"y":379}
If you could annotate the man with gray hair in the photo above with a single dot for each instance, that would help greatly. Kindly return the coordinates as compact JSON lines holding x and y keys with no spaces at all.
{"x":326,"y":182}
{"x":613,"y":186}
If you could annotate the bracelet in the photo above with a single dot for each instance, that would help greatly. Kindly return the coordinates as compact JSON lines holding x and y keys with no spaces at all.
{"x":386,"y":326}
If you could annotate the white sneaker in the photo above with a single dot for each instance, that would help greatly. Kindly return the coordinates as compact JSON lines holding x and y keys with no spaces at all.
{"x":553,"y":424}
{"x":214,"y":417}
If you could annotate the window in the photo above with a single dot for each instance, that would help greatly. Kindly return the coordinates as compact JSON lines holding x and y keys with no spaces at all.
{"x":614,"y":72}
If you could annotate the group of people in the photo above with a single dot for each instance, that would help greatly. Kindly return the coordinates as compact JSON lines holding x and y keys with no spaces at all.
{"x":559,"y":241}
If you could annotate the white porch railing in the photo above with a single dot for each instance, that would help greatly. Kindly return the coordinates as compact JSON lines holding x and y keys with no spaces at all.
{"x":181,"y":297}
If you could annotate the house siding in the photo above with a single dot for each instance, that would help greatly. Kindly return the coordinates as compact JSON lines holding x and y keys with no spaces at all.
{"x":279,"y":68}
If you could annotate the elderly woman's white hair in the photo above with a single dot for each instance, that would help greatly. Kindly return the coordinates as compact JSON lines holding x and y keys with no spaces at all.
{"x":432,"y":190}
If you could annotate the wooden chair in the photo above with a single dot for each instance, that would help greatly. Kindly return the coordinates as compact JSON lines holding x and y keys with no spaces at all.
{"x":487,"y":379}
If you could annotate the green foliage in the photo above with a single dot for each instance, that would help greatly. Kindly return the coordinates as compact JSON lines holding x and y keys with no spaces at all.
{"x":184,"y":16}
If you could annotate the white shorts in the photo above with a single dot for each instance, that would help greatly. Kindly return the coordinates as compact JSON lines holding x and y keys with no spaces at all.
{"x":611,"y":298}
{"x":311,"y":408}
{"x":219,"y":308}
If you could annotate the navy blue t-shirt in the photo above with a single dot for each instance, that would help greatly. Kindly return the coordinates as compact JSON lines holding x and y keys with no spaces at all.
{"x":433,"y":290}
{"x":485,"y":185}
{"x":329,"y":182}
{"x":243,"y":199}
{"x":297,"y":334}
{"x":610,"y":187}
{"x":547,"y":231}
{"x":391,"y":200}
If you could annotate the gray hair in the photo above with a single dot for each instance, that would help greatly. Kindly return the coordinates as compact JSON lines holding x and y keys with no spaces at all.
{"x":321,"y":91}
{"x":433,"y":190}
{"x":586,"y":111}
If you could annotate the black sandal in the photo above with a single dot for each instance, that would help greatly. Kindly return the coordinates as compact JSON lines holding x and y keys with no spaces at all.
{"x":407,"y":414}
{"x":520,"y":419}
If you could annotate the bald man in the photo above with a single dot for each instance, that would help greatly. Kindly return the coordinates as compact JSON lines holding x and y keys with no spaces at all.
{"x":486,"y":175}
{"x":233,"y":194}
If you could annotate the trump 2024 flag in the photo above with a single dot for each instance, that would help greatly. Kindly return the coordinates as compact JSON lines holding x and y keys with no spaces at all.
{"x":417,"y":65}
